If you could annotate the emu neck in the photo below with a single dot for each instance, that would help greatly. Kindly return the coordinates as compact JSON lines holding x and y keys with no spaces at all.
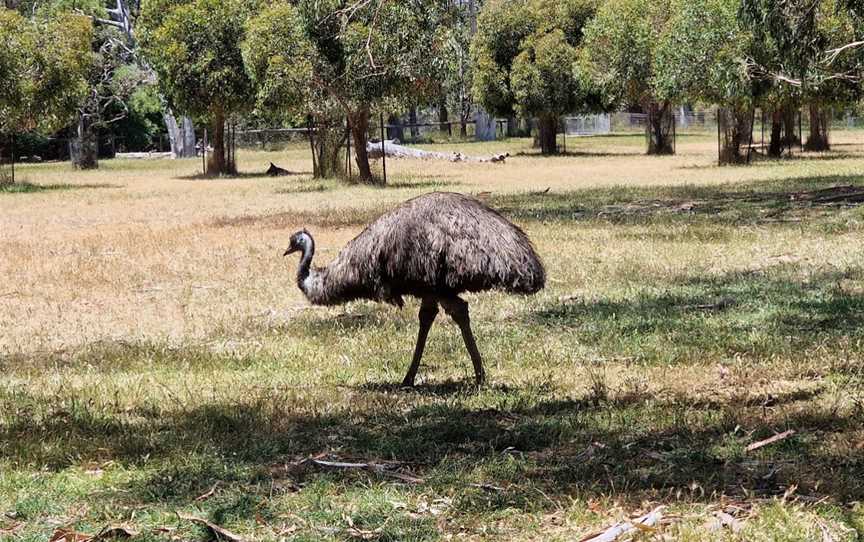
{"x":305,"y":266}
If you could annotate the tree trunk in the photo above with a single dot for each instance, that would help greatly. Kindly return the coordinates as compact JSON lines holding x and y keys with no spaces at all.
{"x":736,"y":131}
{"x":189,"y":141}
{"x":485,"y":127}
{"x":790,"y":125}
{"x":396,"y":131}
{"x":512,"y":126}
{"x":329,"y":146}
{"x":217,"y":164}
{"x":443,"y":114}
{"x":180,"y":136}
{"x":412,"y":120}
{"x":818,"y":138}
{"x":659,"y":127}
{"x":775,"y":146}
{"x":359,"y":128}
{"x":548,"y":134}
{"x":84,"y":145}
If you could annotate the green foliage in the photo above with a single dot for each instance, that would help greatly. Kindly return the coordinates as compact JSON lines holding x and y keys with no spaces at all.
{"x":44,"y":64}
{"x":455,"y":61}
{"x":525,"y":54}
{"x":194,"y":47}
{"x":94,"y":8}
{"x":279,"y":58}
{"x":793,"y":43}
{"x":542,"y":75}
{"x":142,"y":126}
{"x":837,"y":27}
{"x":621,"y":44}
{"x":329,"y":61}
{"x":701,"y":55}
{"x":312,"y":52}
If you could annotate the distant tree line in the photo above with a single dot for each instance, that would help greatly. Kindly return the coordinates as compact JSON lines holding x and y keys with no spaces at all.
{"x":336,"y":64}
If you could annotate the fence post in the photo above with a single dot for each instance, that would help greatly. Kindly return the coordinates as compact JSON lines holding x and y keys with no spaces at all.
{"x":204,"y":152}
{"x":13,"y":157}
{"x":311,"y":132}
{"x":674,"y":134}
{"x":348,"y":151}
{"x":719,"y":145}
{"x":564,"y":126}
{"x":800,"y":133}
{"x":383,"y":154}
{"x":750,"y":143}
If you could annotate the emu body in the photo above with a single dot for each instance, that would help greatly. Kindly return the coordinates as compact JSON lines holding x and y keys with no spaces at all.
{"x":433,"y":247}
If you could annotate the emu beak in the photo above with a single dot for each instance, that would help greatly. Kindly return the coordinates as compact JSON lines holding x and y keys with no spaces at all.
{"x":290,"y":250}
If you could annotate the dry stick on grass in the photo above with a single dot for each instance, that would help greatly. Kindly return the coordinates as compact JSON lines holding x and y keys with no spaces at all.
{"x":645,"y":523}
{"x":208,"y":494}
{"x":770,"y":440}
{"x":218,"y":532}
{"x":373,"y":467}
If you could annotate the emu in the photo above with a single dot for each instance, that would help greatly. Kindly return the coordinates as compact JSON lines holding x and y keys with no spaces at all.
{"x":433,"y":247}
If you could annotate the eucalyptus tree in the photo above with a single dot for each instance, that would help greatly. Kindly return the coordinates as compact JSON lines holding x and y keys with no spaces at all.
{"x":355,"y":57}
{"x":525,"y":55}
{"x":194,"y":47}
{"x":700,"y":58}
{"x":44,"y":68}
{"x":808,"y":52}
{"x":457,"y":68}
{"x":836,"y":74}
{"x":621,"y":46}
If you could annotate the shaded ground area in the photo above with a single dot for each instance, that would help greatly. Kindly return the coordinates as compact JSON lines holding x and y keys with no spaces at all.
{"x":756,"y":313}
{"x":24,"y":187}
{"x":761,"y":202}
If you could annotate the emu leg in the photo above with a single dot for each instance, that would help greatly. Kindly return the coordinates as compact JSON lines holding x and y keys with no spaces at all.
{"x":428,"y":312}
{"x":458,"y":310}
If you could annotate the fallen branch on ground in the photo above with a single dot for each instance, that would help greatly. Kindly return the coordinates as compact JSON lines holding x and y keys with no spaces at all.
{"x":208,"y":494}
{"x":372,"y":467}
{"x":394,"y":150}
{"x":614,"y":532}
{"x":770,"y":440}
{"x":109,"y":532}
{"x":218,"y":532}
{"x":143,"y":155}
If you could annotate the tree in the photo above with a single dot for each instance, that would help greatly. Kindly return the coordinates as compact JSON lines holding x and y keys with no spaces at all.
{"x":808,"y":53}
{"x":621,"y":44}
{"x":456,"y":65}
{"x":181,"y":135}
{"x":833,"y":81}
{"x":113,"y":80}
{"x":525,"y":57}
{"x":700,"y":58}
{"x":360,"y":55}
{"x":44,"y":65}
{"x":281,"y":60}
{"x":194,"y":47}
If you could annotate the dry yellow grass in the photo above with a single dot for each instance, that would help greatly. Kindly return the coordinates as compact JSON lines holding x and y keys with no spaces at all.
{"x":159,"y":254}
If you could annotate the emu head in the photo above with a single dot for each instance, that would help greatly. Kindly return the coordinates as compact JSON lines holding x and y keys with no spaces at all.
{"x":300,"y":242}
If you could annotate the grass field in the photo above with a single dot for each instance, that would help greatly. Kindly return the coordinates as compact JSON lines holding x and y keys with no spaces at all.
{"x":158,"y":359}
